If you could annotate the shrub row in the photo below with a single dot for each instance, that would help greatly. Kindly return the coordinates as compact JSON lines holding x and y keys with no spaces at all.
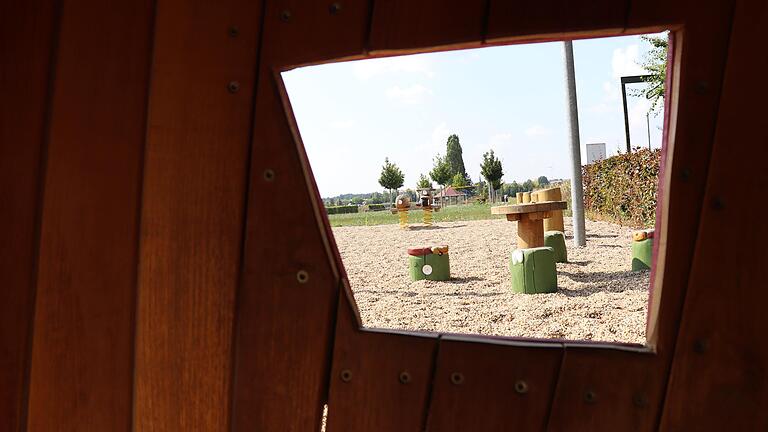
{"x":623,"y":188}
{"x":376,"y":207}
{"x":341,"y":209}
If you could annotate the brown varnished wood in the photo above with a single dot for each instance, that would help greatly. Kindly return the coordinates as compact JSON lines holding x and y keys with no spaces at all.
{"x":378,"y":396}
{"x":195,"y":176}
{"x":718,"y":379}
{"x":300,"y":32}
{"x":82,"y":358}
{"x":406,"y":25}
{"x":507,"y":385}
{"x":26,"y":48}
{"x":703,"y":42}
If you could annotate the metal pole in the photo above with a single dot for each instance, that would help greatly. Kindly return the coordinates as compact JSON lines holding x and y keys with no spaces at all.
{"x":626,"y":114}
{"x":648,"y":126}
{"x":577,"y":190}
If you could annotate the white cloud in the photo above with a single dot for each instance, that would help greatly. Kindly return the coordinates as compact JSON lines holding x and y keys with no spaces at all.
{"x":625,"y":62}
{"x":415,"y":64}
{"x":439,"y":138}
{"x":537,"y":131}
{"x":342,"y":124}
{"x":413,"y":94}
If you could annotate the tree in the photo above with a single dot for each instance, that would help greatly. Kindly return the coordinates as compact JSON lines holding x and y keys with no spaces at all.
{"x":655,"y":62}
{"x":391,"y":177}
{"x":441,"y":172}
{"x":453,"y":154}
{"x":527,"y":185}
{"x":542,"y":181}
{"x":491,"y":170}
{"x":458,"y":181}
{"x":423,"y":182}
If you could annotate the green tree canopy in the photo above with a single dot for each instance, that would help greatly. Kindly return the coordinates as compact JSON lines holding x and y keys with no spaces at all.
{"x":453,"y":155}
{"x":542,"y":181}
{"x":441,"y":171}
{"x":527,"y":186}
{"x":423,"y":182}
{"x":458,"y":181}
{"x":391,"y":177}
{"x":491,"y":169}
{"x":655,"y":62}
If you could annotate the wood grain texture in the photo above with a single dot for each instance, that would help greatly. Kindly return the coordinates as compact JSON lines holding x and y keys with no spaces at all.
{"x":368,"y":388}
{"x":82,"y":358}
{"x":26,"y":48}
{"x":718,"y":379}
{"x":548,"y":20}
{"x":507,"y":386}
{"x":418,"y":25}
{"x":300,"y":32}
{"x":287,"y":300}
{"x":192,"y":215}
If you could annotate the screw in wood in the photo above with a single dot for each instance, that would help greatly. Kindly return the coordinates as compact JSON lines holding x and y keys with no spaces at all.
{"x":269,"y":175}
{"x":700,"y":346}
{"x":717,"y":203}
{"x":346,"y":375}
{"x":285,"y":15}
{"x":334,"y":8}
{"x":233,"y":86}
{"x":701,"y":87}
{"x":685,"y":174}
{"x":405,"y":377}
{"x":590,"y":397}
{"x":233,"y":31}
{"x":457,"y":378}
{"x":302,"y":276}
{"x":639,"y":400}
{"x":521,"y":387}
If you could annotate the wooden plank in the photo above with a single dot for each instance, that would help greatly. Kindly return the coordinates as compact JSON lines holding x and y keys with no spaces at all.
{"x":301,"y":32}
{"x":699,"y":58}
{"x":529,"y":208}
{"x":552,"y":20}
{"x":82,"y":360}
{"x":26,"y":47}
{"x":402,"y":26}
{"x":379,"y":381}
{"x":505,"y":386}
{"x":718,"y":376}
{"x":192,"y":216}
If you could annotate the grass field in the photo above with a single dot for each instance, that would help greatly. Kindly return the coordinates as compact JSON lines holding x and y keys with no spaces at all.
{"x":447,"y":214}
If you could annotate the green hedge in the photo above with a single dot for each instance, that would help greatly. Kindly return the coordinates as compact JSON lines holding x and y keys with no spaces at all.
{"x":376,"y":207}
{"x":623,"y":188}
{"x":341,"y":209}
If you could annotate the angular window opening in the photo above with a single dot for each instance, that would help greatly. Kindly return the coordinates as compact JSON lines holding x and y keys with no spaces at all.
{"x":428,"y":131}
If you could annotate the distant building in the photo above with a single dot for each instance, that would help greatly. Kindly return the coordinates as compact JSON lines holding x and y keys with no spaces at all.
{"x":595,"y":152}
{"x":450,"y":196}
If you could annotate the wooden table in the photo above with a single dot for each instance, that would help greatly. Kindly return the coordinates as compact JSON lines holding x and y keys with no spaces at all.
{"x":530,"y":220}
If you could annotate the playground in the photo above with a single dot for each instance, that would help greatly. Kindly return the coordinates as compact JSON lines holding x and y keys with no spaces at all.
{"x":598,"y":296}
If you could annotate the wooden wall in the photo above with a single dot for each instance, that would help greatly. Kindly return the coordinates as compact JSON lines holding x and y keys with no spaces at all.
{"x":148,"y":283}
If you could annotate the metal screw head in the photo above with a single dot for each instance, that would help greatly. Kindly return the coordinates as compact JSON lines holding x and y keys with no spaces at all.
{"x":346,"y":375}
{"x":700,"y":346}
{"x":334,"y":8}
{"x":717,"y":203}
{"x":590,"y":397}
{"x":521,"y":387}
{"x":685,"y":174}
{"x":233,"y":86}
{"x":269,"y":175}
{"x":302,"y":276}
{"x":457,"y":378}
{"x":639,"y":400}
{"x":285,"y":15}
{"x":233,"y":31}
{"x":702,"y":87}
{"x":405,"y":377}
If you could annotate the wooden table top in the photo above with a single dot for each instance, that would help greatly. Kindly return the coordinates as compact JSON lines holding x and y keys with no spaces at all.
{"x":529,"y":207}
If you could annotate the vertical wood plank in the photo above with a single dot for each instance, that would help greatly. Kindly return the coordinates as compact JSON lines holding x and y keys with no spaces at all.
{"x":192,"y":215}
{"x":415,"y":25}
{"x":718,"y":379}
{"x":634,"y":403}
{"x":26,"y":48}
{"x":82,"y":358}
{"x":506,"y":386}
{"x":379,"y":381}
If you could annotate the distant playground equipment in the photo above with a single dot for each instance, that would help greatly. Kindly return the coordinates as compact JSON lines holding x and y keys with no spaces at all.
{"x":430,"y":263}
{"x":642,"y":249}
{"x":532,"y":264}
{"x":426,"y":203}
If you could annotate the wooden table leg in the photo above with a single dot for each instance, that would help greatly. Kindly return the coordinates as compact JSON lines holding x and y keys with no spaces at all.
{"x":530,"y":233}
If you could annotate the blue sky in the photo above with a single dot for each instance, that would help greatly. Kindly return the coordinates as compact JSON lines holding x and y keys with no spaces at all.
{"x":511,"y":99}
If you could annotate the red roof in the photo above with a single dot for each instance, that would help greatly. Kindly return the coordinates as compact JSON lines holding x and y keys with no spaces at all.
{"x":450,"y":192}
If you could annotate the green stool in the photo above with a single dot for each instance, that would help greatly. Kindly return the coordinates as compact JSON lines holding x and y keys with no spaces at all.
{"x":642,"y":250}
{"x":429,"y":263}
{"x":556,"y":240}
{"x":533,"y":270}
